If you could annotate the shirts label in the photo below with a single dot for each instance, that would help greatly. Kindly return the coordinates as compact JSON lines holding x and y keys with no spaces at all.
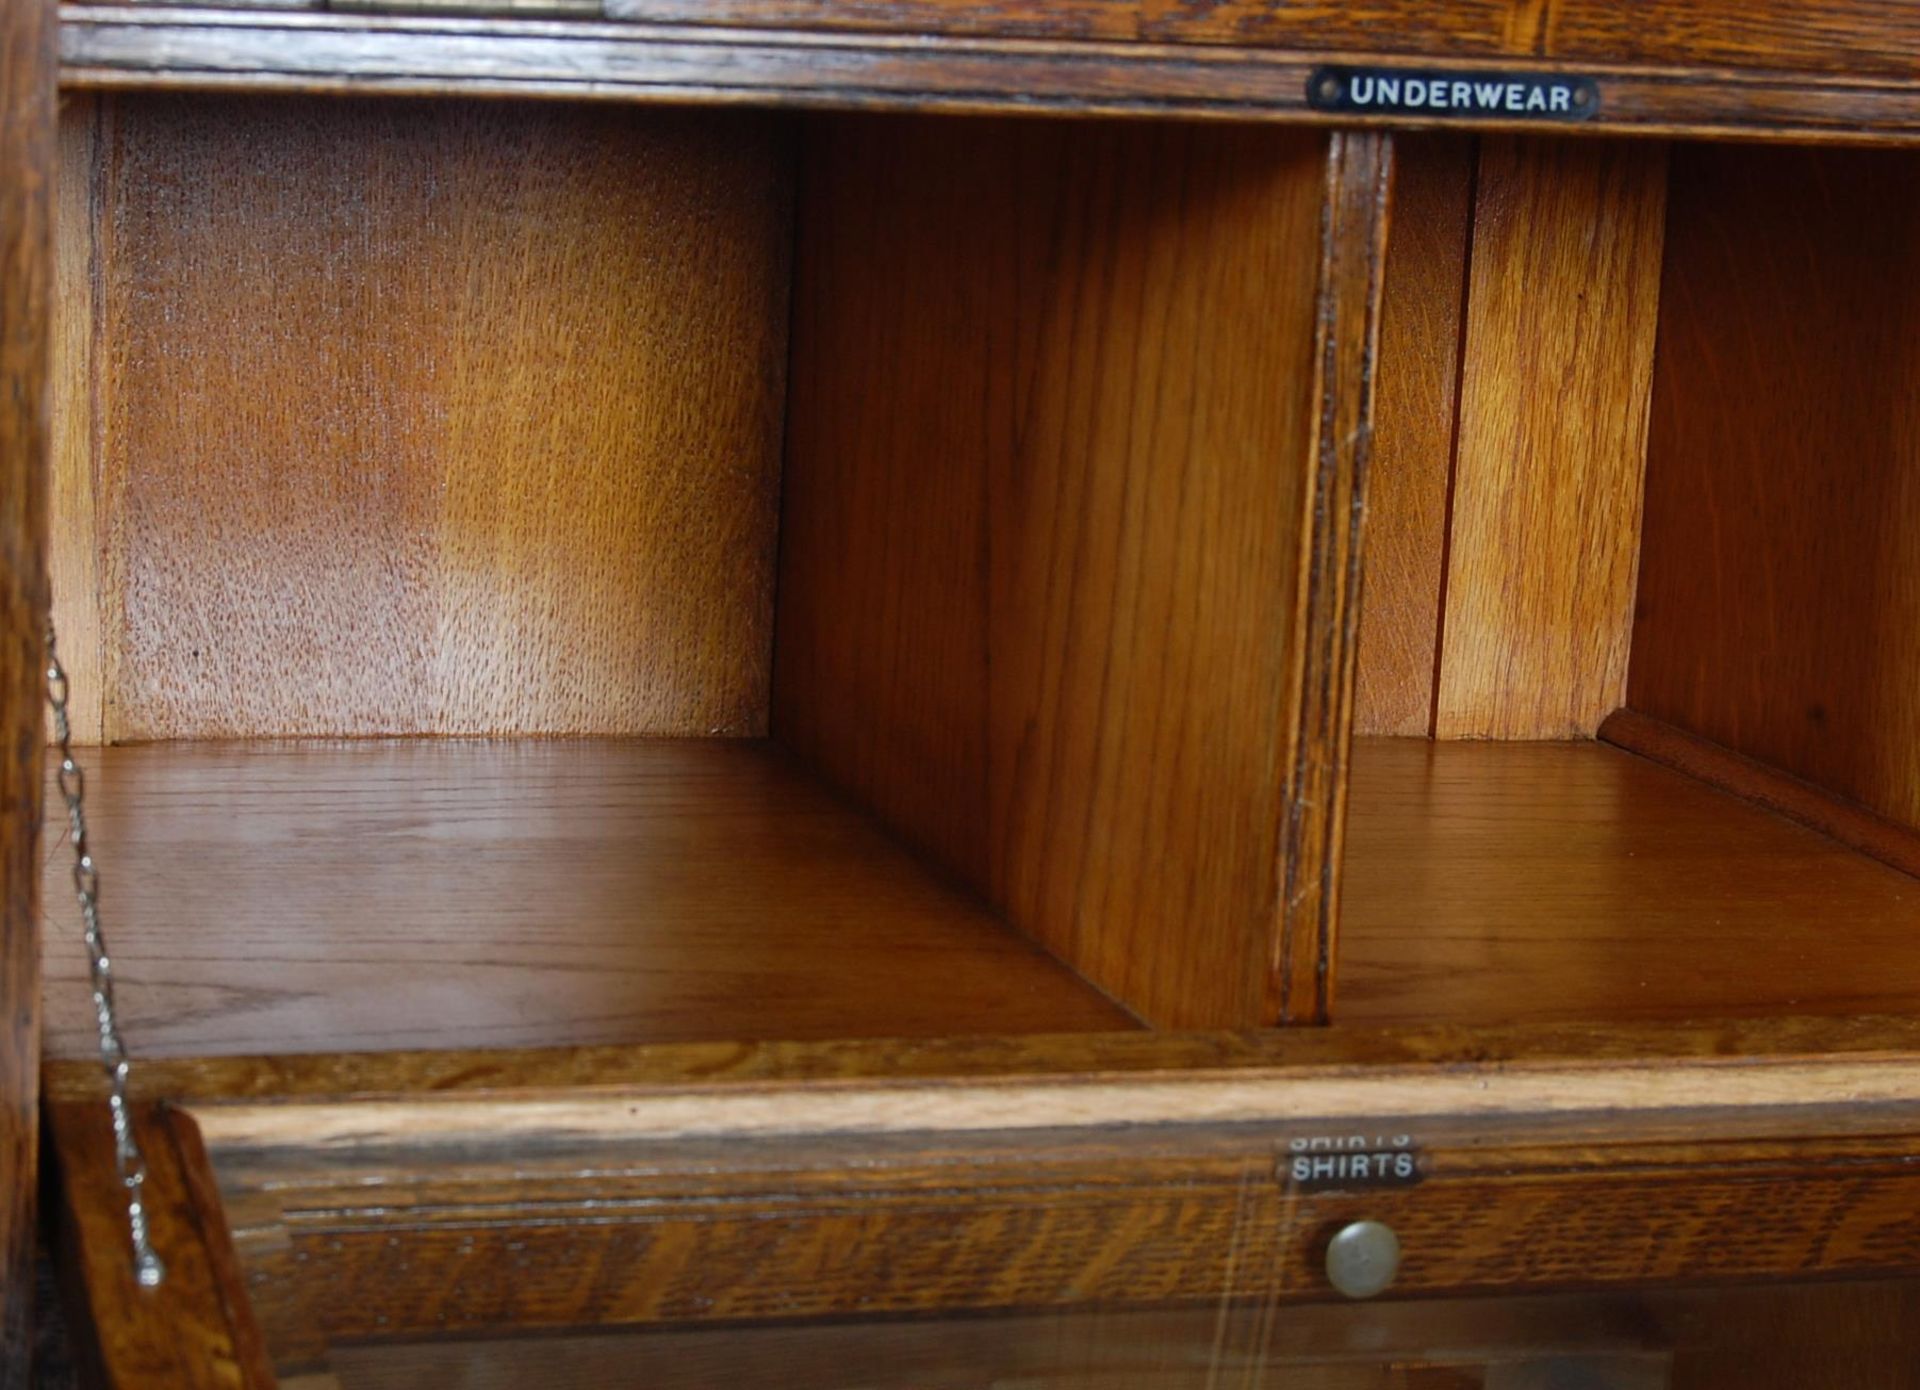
{"x":1323,"y":1162}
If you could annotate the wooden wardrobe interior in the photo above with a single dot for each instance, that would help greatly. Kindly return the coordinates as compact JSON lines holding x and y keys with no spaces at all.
{"x":558,"y":574}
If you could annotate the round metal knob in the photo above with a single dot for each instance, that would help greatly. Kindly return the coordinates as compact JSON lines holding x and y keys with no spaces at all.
{"x":1362,"y":1258}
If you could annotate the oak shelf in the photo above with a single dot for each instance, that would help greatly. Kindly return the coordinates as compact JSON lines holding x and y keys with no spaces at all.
{"x":1491,"y":882}
{"x":299,"y":897}
{"x":280,"y":896}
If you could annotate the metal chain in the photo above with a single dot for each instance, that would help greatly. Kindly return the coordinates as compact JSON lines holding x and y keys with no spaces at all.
{"x":132,"y":1164}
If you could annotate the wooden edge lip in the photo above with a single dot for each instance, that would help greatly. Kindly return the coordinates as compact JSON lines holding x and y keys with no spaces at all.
{"x":141,"y":14}
{"x":1093,"y":1103}
{"x":123,"y":46}
{"x":1851,"y":824}
{"x":871,"y":1066}
{"x":1298,"y":973}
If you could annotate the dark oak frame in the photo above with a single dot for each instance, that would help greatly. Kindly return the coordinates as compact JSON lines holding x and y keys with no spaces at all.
{"x":1170,"y":1127}
{"x":979,"y":69}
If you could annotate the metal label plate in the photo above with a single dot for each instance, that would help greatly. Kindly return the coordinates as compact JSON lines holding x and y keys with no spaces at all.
{"x":1333,"y":1162}
{"x":1471,"y":96}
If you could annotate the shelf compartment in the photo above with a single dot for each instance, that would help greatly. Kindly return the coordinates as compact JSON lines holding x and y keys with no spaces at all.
{"x":1511,"y":882}
{"x":305,"y":897}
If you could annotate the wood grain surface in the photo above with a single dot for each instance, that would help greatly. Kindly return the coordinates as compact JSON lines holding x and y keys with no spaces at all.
{"x":26,"y":273}
{"x":232,"y":49}
{"x":449,"y":419}
{"x":1779,"y":609}
{"x":1416,"y":408}
{"x":314,"y":897}
{"x":1410,"y":492}
{"x":1771,"y":75}
{"x":1047,"y":472}
{"x":1115,"y":1217}
{"x":1553,"y":413}
{"x":73,"y":559}
{"x":1641,"y":1067}
{"x":196,"y":1331}
{"x":1846,"y":37}
{"x":1495,"y":882}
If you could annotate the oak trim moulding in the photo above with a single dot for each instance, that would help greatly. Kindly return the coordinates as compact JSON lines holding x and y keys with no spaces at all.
{"x":121,"y":46}
{"x":1012,"y":1083}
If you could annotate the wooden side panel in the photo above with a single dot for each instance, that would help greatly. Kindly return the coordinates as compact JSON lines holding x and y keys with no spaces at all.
{"x":26,"y":224}
{"x":1553,"y":411}
{"x":1779,"y":608}
{"x":428,"y":419}
{"x":1048,"y":458}
{"x":1413,"y":433}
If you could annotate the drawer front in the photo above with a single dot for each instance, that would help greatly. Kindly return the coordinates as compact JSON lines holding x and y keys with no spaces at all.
{"x":920,"y":1224}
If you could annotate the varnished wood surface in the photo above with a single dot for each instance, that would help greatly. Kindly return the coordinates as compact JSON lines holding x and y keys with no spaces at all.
{"x":1409,"y":487}
{"x":406,"y":419}
{"x":26,"y":275}
{"x":1644,"y":1067}
{"x":1297,"y":975}
{"x":1833,"y":816}
{"x":126,"y":46}
{"x":1545,"y":513}
{"x":1044,"y":516}
{"x":196,"y":1330}
{"x":1848,"y":37}
{"x":302,"y":898}
{"x":73,"y":559}
{"x":1779,"y":607}
{"x":1490,"y":882}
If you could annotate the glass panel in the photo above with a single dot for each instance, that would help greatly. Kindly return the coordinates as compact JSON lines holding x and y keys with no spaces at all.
{"x":1787,"y":1335}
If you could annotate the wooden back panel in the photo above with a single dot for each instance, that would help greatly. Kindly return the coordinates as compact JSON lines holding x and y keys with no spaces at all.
{"x":407,"y":418}
{"x":1046,"y":488}
{"x":1505,"y":515}
{"x":1779,"y":608}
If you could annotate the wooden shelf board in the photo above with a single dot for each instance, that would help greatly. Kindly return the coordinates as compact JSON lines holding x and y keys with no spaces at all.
{"x":267,"y":897}
{"x":1512,"y":882}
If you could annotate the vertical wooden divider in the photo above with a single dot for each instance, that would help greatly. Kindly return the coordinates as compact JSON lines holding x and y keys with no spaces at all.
{"x":1346,"y":342}
{"x":26,"y":244}
{"x":1067,"y":403}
